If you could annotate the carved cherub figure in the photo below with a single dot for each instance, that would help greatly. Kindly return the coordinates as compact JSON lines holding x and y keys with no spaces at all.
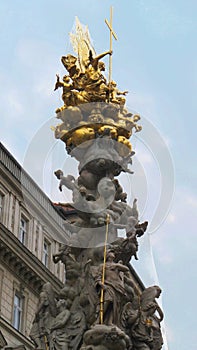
{"x":96,"y":211}
{"x":70,"y":95}
{"x":67,"y":181}
{"x":120,"y":195}
{"x":126,"y":248}
{"x":65,"y":84}
{"x":114,"y":93}
{"x":77,"y":187}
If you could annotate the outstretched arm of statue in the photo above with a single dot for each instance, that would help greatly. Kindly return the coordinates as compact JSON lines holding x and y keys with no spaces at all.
{"x":58,"y":83}
{"x":122,"y":92}
{"x":94,"y":60}
{"x":109,"y":52}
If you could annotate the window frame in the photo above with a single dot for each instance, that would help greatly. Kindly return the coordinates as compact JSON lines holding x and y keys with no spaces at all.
{"x":18,"y":310}
{"x":2,"y":197}
{"x":23,"y":239}
{"x":46,"y":254}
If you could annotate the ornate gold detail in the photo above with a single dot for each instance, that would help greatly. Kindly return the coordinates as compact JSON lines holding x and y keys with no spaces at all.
{"x":92,"y":106}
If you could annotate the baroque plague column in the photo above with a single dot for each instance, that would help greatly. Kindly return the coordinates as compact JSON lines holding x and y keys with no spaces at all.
{"x":103,"y":305}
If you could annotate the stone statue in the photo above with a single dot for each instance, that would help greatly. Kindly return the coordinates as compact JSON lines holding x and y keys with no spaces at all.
{"x":67,"y":256}
{"x":89,"y":298}
{"x":77,"y":187}
{"x":67,"y":327}
{"x":119,"y":195}
{"x":94,"y":61}
{"x":124,"y":249}
{"x":103,"y":304}
{"x":113,"y":287}
{"x":68,"y":95}
{"x":64,"y":180}
{"x":102,"y":337}
{"x":59,"y":339}
{"x":88,"y":84}
{"x":45,"y":313}
{"x":69,"y":62}
{"x":148,"y":302}
{"x":142,"y":324}
{"x":114,"y":93}
{"x":76,"y":328}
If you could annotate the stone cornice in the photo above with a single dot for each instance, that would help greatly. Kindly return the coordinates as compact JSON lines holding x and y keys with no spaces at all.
{"x":26,"y":266}
{"x":24,"y":182}
{"x":17,"y":335}
{"x":3,"y":342}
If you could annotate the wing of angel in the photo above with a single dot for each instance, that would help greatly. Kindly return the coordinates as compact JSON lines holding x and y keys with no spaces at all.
{"x":82,"y":44}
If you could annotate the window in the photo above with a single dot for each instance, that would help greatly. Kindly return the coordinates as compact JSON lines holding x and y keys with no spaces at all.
{"x":1,"y":204}
{"x":17,"y":316}
{"x":46,"y":253}
{"x":36,"y":239}
{"x":23,"y":230}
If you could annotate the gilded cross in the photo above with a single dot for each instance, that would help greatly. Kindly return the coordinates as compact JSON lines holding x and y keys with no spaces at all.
{"x":112,"y":34}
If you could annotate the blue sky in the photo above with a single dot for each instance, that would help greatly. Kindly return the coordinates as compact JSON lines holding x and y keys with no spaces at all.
{"x":155,"y":59}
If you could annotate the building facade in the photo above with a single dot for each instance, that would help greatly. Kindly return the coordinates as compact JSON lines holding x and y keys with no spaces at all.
{"x":31,"y":231}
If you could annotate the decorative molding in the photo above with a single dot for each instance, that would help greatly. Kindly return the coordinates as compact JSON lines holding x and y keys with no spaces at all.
{"x":1,"y":284}
{"x":25,"y":342}
{"x":3,"y":342}
{"x":29,"y":185}
{"x":25,"y":265}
